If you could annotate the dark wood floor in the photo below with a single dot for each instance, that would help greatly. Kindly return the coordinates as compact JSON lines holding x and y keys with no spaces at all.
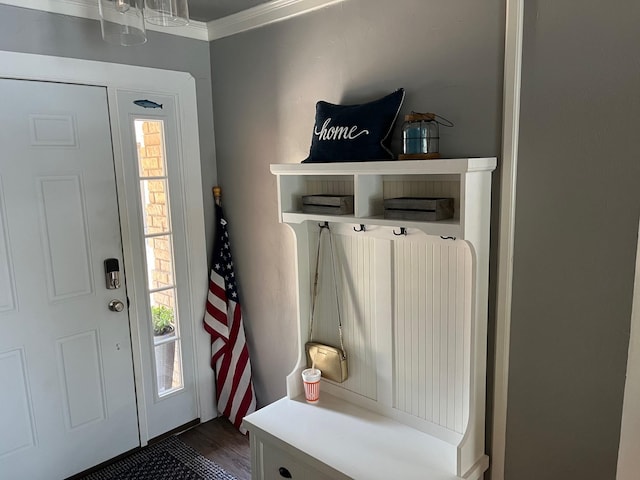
{"x":220,"y":441}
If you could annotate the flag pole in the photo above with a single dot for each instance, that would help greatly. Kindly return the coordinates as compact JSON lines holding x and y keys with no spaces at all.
{"x":217,"y":194}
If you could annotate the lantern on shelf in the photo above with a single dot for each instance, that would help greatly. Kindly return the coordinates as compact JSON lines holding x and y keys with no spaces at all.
{"x":421,"y":136}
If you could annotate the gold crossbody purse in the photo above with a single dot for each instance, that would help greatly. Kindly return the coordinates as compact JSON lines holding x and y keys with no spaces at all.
{"x":330,"y":360}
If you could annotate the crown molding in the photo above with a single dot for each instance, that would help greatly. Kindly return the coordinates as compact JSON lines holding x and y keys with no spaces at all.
{"x":86,"y":9}
{"x":259,"y":16}
{"x":265,"y":14}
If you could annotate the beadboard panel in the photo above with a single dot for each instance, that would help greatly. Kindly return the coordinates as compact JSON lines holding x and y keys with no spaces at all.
{"x":432,"y":282}
{"x":330,"y":186}
{"x":354,"y":267}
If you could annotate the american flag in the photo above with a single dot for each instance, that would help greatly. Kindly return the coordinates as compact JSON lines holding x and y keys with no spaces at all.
{"x":223,"y":321}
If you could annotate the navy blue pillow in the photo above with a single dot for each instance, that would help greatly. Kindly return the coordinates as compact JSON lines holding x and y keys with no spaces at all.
{"x":354,"y":133}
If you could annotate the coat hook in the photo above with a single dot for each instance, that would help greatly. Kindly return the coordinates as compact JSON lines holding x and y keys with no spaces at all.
{"x":362,"y":228}
{"x":403,"y":231}
{"x":323,"y":225}
{"x":447,"y":238}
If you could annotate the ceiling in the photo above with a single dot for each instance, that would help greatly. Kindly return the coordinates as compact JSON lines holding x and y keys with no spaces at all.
{"x":207,"y":10}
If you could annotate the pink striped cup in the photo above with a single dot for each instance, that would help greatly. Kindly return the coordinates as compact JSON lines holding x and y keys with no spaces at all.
{"x":311,"y":380}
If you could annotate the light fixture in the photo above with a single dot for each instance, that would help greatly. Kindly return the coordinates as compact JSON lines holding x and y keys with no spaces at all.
{"x":122,"y":22}
{"x":167,"y":13}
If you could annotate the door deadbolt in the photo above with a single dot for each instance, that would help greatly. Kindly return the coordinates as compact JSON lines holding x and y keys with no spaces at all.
{"x":116,"y":306}
{"x":112,"y":273}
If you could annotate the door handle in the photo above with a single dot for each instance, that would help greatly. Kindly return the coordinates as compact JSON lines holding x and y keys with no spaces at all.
{"x":116,"y":306}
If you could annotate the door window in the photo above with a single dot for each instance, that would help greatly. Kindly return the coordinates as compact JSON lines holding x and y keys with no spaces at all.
{"x":159,"y":255}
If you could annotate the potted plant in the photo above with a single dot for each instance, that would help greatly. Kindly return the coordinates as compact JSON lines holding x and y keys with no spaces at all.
{"x":163,"y":326}
{"x":163,"y":320}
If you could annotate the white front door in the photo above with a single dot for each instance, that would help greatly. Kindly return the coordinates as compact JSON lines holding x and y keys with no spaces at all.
{"x":67,"y":397}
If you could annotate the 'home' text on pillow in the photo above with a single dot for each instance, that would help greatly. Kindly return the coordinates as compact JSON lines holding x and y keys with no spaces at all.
{"x":354,"y":133}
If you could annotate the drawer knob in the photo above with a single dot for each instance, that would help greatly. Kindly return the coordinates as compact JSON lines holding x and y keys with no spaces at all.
{"x":284,"y":473}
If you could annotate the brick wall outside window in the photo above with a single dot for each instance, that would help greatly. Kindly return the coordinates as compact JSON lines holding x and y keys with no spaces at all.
{"x":156,"y":210}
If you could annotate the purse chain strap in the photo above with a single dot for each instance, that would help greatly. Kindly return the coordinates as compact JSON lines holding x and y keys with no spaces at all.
{"x":335,"y":285}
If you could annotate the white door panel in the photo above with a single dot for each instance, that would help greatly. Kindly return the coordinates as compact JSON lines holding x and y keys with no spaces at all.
{"x":66,"y":358}
{"x":152,"y":169}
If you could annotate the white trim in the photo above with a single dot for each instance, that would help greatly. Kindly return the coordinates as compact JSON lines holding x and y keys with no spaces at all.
{"x":148,"y":80}
{"x":510,"y":133}
{"x":265,"y":14}
{"x":85,"y":9}
{"x":258,"y":16}
{"x":90,"y":72}
{"x":628,"y":460}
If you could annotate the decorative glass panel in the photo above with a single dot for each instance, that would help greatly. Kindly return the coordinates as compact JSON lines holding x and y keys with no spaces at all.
{"x":159,"y":261}
{"x":150,"y":140}
{"x":156,"y":220}
{"x":168,"y":367}
{"x":155,"y":210}
{"x":163,"y":312}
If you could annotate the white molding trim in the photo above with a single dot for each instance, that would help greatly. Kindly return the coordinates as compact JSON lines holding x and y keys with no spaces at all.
{"x":510,"y":134}
{"x":262,"y":15}
{"x":259,"y":16}
{"x":89,"y":9}
{"x":117,"y":77}
{"x":628,"y":459}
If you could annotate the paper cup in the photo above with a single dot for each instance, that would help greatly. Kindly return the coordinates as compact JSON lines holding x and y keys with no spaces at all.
{"x":311,"y":380}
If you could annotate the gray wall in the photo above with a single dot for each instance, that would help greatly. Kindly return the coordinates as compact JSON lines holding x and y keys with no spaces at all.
{"x":578,"y":202}
{"x":578,"y":199}
{"x":30,"y":31}
{"x":447,"y":55}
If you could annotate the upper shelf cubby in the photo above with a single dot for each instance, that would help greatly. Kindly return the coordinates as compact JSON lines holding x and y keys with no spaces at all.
{"x":464,"y":179}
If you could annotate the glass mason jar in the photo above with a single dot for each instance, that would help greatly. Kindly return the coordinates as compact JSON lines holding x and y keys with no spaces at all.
{"x":420,"y":134}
